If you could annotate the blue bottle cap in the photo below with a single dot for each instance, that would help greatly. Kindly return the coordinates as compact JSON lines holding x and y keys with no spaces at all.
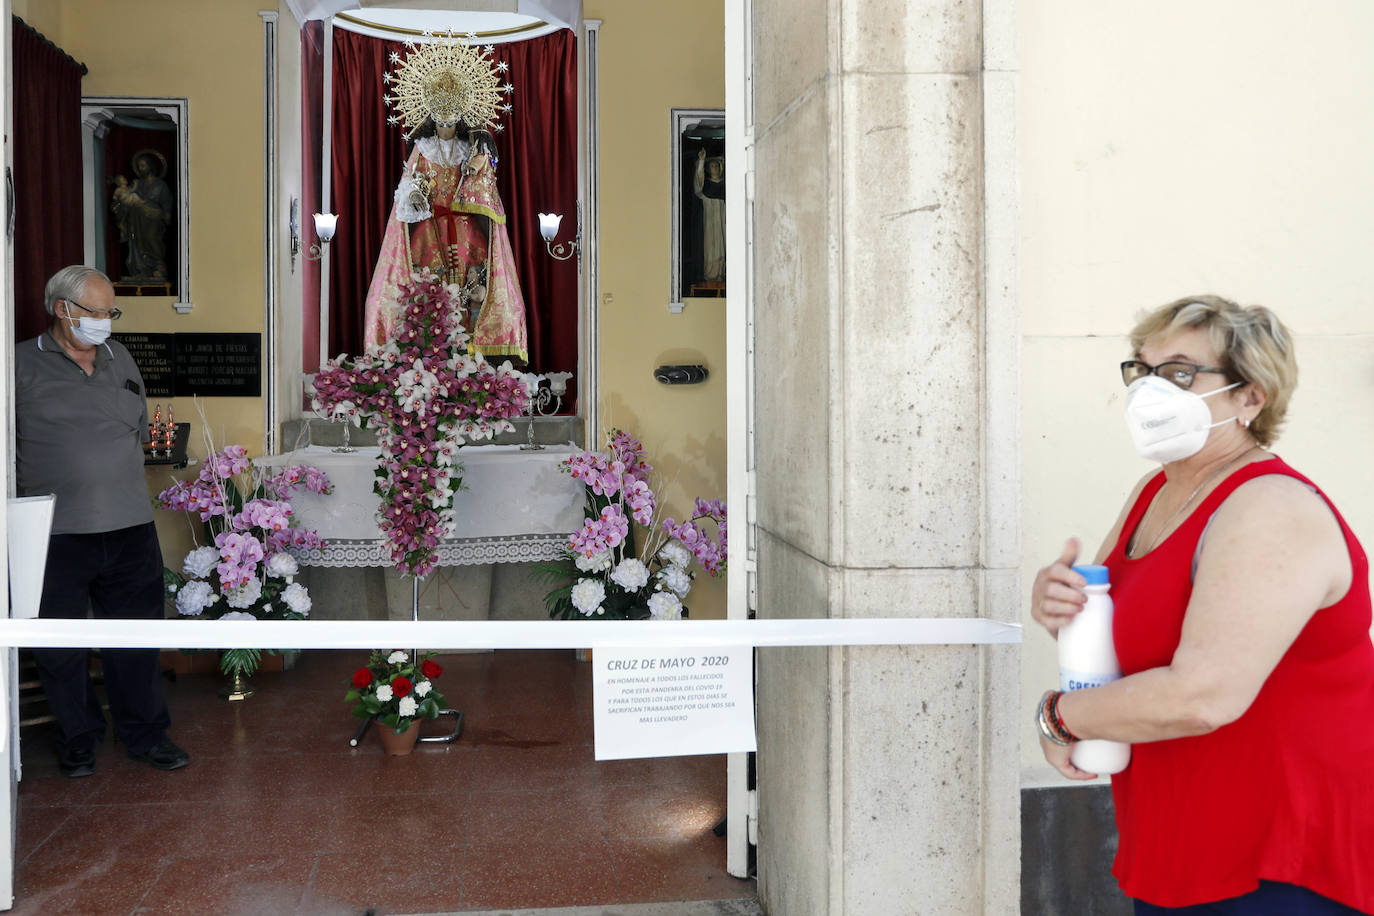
{"x":1096,"y":575}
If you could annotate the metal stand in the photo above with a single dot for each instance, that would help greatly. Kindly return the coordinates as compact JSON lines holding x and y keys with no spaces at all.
{"x":415,"y":653}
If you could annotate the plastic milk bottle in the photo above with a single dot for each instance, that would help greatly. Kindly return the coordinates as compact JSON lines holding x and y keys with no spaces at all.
{"x":1087,"y":658}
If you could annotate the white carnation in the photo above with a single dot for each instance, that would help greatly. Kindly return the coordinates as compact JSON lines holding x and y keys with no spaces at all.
{"x":630,"y":575}
{"x":195,"y":597}
{"x":384,"y":692}
{"x":594,"y":563}
{"x":244,"y":596}
{"x":665,"y":606}
{"x":397,"y":658}
{"x":297,"y":598}
{"x":282,"y":565}
{"x":587,"y":596}
{"x":675,"y":553}
{"x":676,"y":579}
{"x":238,"y":615}
{"x":199,"y":562}
{"x":407,"y":706}
{"x":423,"y":688}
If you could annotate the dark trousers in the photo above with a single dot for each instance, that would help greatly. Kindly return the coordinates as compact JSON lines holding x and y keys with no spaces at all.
{"x":1273,"y":898}
{"x":113,"y":574}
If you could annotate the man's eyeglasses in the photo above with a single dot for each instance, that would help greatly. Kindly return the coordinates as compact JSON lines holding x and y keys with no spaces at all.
{"x":112,"y":314}
{"x":1181,"y":374}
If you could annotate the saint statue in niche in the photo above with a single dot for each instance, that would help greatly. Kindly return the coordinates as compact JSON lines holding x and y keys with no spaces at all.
{"x":708,"y":184}
{"x":143,"y":211}
{"x":447,"y":217}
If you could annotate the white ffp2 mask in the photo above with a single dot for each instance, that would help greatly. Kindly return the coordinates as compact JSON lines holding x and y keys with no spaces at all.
{"x":1168,"y":423}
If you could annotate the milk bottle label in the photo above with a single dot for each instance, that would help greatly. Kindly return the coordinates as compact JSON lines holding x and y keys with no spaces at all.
{"x":1077,"y":680}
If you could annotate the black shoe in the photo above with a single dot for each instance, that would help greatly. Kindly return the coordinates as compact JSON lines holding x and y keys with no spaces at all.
{"x":163,"y":756}
{"x":76,"y":763}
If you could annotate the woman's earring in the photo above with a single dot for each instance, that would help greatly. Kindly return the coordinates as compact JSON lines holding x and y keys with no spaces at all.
{"x":1244,"y":422}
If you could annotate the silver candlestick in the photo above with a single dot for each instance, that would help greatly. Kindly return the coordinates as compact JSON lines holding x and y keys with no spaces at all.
{"x":544,"y":402}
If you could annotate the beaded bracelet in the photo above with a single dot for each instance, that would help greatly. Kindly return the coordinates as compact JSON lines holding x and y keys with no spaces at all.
{"x":1057,"y":720}
{"x":1050,"y":723}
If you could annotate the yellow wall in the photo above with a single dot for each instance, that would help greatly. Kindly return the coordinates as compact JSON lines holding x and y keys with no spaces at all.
{"x":656,"y":57}
{"x":210,"y":54}
{"x":1173,"y":149}
{"x":41,"y":14}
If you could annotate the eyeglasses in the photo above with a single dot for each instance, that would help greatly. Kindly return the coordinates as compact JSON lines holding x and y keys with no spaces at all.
{"x":112,"y":314}
{"x":1181,"y":374}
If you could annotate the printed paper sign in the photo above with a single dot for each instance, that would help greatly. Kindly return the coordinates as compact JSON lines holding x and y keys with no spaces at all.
{"x":673,"y":702}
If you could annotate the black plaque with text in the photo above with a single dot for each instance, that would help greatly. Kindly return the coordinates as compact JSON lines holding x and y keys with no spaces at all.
{"x":219,"y":365}
{"x":209,"y":365}
{"x":155,"y":356}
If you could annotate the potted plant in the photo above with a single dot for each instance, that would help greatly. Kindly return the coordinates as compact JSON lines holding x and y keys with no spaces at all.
{"x":398,"y":691}
{"x":240,"y":568}
{"x":623,"y":564}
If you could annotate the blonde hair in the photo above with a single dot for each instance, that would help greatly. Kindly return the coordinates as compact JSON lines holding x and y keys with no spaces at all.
{"x":1253,"y":345}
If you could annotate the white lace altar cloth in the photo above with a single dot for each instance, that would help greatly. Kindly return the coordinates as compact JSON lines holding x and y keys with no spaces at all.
{"x":514,"y":506}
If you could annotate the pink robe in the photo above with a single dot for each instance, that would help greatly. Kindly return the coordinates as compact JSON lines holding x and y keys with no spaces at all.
{"x":465,"y":208}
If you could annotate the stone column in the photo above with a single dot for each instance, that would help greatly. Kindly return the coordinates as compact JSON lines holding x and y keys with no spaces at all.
{"x":886,"y":450}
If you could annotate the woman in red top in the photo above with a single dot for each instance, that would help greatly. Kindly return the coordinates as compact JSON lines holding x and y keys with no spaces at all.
{"x":1242,"y":625}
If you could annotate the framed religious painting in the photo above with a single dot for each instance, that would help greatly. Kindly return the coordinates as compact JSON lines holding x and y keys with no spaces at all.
{"x":135,"y":194}
{"x":698,"y":205}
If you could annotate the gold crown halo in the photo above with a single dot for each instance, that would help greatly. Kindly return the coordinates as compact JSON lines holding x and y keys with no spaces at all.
{"x":448,"y":79}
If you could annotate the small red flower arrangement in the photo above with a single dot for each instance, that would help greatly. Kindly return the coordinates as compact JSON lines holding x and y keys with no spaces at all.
{"x":395,"y":690}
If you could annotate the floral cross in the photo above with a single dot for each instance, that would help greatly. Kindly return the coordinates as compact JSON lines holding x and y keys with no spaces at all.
{"x":423,"y":393}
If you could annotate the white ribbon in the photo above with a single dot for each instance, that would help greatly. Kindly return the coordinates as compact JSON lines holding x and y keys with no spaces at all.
{"x":504,"y":634}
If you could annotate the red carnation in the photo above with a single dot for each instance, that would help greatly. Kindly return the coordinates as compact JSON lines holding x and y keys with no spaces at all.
{"x":361,"y":678}
{"x":431,"y":669}
{"x":401,"y":687}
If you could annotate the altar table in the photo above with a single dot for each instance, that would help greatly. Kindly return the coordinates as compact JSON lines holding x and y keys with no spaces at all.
{"x":515,"y":506}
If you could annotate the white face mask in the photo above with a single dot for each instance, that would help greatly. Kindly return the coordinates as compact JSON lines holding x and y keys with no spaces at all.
{"x":1168,"y":423}
{"x":90,"y":331}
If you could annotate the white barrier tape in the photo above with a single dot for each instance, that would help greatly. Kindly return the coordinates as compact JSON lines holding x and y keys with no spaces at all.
{"x":503,"y":634}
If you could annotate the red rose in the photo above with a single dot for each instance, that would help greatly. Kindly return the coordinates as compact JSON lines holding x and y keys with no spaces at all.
{"x":401,"y":686}
{"x":431,"y":669}
{"x":361,"y":678}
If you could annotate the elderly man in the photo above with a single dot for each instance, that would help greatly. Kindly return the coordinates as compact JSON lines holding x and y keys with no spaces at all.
{"x":81,"y":417}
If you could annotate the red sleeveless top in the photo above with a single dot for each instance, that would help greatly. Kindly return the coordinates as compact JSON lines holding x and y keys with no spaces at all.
{"x":1284,"y":793}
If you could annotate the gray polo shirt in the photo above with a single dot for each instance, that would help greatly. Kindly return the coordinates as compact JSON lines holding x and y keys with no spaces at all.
{"x":80,"y":436}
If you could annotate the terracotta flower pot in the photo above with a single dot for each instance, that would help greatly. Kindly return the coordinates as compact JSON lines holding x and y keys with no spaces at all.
{"x":399,"y":745}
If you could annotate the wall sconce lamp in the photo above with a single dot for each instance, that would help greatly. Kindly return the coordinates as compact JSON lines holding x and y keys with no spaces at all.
{"x":325,"y":225}
{"x":548,"y":228}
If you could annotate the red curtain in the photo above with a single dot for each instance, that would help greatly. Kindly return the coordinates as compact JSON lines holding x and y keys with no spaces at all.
{"x":47,"y":171}
{"x":537,"y":173}
{"x":367,"y":159}
{"x":312,"y":129}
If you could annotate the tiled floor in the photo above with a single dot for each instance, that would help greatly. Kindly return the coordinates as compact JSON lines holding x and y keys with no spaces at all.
{"x":277,"y":814}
